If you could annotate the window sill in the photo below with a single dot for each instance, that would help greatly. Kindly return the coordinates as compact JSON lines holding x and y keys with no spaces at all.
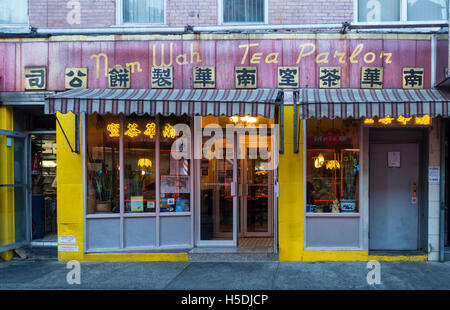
{"x":327,"y":214}
{"x":144,"y":25}
{"x":244,"y":24}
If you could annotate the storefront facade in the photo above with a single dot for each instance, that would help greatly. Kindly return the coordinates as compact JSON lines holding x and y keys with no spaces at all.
{"x":338,"y":120}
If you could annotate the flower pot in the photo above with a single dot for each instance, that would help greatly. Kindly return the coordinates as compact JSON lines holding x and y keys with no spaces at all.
{"x":102,"y":206}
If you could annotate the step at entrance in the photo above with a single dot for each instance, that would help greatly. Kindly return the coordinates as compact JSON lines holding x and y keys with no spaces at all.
{"x":232,"y":254}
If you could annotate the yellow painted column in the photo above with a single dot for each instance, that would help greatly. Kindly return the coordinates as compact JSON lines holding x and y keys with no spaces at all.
{"x":69,"y":182}
{"x":6,"y":177}
{"x":290,"y":201}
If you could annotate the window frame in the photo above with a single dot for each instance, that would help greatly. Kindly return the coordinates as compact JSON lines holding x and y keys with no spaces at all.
{"x":220,"y":15}
{"x":122,"y":214}
{"x":120,"y":22}
{"x":20,"y":24}
{"x":403,"y":15}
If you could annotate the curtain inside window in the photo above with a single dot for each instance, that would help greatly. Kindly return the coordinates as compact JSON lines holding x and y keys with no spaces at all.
{"x":241,"y":11}
{"x":13,"y":12}
{"x":143,"y":11}
{"x":378,"y":10}
{"x":427,"y":10}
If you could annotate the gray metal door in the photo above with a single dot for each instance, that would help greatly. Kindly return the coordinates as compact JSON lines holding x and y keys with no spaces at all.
{"x":393,"y":209}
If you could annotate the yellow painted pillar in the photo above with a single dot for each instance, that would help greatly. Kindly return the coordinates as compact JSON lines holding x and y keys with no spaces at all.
{"x":69,"y":182}
{"x":6,"y":177}
{"x":290,"y":202}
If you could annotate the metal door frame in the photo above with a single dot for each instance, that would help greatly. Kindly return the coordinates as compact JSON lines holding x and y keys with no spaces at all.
{"x":234,"y":191}
{"x":26,"y":177}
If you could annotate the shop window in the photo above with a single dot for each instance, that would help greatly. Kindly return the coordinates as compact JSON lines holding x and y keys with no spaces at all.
{"x":332,"y":166}
{"x":14,"y":12}
{"x":142,"y":155}
{"x":174,"y":168}
{"x":102,"y":136}
{"x":401,"y":10}
{"x":139,"y":138}
{"x":143,"y":11}
{"x":244,"y":11}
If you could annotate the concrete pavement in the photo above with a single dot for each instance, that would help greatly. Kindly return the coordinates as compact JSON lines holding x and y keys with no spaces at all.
{"x":50,"y":274}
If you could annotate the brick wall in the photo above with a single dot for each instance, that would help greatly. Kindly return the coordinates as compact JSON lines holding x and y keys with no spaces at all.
{"x":310,"y":11}
{"x":53,"y":13}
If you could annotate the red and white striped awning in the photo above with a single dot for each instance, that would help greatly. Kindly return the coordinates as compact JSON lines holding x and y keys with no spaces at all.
{"x":229,"y":102}
{"x":358,"y":103}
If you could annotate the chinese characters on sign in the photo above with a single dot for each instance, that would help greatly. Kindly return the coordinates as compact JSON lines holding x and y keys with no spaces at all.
{"x":412,"y":78}
{"x":330,"y":77}
{"x":162,"y":77}
{"x":119,"y":77}
{"x":246,"y":77}
{"x":35,"y":78}
{"x":114,"y":129}
{"x":371,"y":77}
{"x":204,"y":77}
{"x":401,"y":120}
{"x":76,"y":78}
{"x":288,"y":77}
{"x":132,"y":131}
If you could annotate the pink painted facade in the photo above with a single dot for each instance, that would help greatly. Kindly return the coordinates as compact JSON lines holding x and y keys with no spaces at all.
{"x":266,"y":54}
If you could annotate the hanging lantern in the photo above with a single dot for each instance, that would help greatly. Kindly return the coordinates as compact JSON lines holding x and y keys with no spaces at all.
{"x":319,"y":161}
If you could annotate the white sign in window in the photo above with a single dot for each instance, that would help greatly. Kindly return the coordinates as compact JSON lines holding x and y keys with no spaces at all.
{"x":394,"y":160}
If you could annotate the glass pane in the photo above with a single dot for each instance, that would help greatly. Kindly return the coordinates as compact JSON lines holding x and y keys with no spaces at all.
{"x":378,"y":10}
{"x":257,"y":195}
{"x":175,"y":170}
{"x":216,"y":200}
{"x":20,"y":207}
{"x":102,"y":136}
{"x":19,"y":166}
{"x":332,"y":165}
{"x":427,"y":10}
{"x":14,"y":12}
{"x":139,"y":164}
{"x":143,"y":11}
{"x":242,"y":11}
{"x":20,"y":214}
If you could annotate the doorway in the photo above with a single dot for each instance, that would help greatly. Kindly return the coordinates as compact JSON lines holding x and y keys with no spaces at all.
{"x":235,"y":187}
{"x":43,"y":187}
{"x":395,"y":190}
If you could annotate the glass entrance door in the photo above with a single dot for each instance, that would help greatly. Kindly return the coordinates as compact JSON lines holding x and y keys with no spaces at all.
{"x":234,"y":177}
{"x":256,"y":203}
{"x":217,"y":175}
{"x":14,"y":193}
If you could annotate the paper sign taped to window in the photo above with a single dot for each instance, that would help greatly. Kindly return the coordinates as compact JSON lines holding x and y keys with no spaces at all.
{"x":434,"y":174}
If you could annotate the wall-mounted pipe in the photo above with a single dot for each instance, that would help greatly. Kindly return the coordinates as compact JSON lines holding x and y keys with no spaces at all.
{"x":121,"y":30}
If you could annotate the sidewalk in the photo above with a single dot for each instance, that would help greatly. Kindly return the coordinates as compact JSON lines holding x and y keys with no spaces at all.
{"x":224,"y":275}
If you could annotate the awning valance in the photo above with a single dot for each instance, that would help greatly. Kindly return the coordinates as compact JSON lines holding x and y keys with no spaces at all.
{"x":255,"y":102}
{"x":358,"y":103}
